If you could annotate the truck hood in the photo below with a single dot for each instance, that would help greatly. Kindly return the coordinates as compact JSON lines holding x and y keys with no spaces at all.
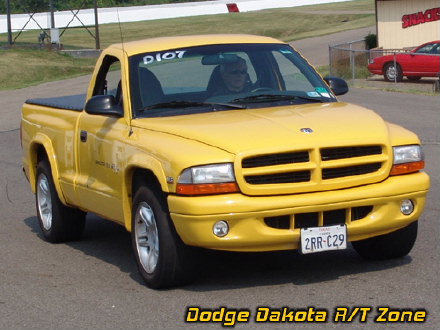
{"x":301,"y":126}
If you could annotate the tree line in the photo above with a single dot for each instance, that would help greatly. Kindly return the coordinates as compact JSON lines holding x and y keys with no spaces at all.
{"x":32,"y":6}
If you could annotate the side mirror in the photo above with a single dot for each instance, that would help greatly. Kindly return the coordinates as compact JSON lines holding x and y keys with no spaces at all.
{"x":337,"y":85}
{"x":104,"y":105}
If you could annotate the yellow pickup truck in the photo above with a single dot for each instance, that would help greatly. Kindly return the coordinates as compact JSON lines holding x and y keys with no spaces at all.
{"x":226,"y":142}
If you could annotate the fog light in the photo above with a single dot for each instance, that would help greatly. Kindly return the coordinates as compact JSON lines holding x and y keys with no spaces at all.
{"x":407,"y":207}
{"x":221,"y":229}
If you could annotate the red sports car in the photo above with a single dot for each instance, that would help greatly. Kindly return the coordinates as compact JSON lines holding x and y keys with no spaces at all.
{"x":424,"y":61}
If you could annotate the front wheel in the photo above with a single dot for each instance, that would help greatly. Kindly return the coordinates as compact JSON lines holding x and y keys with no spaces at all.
{"x":393,"y":245}
{"x":58,"y":223}
{"x":162,"y":258}
{"x":393,"y":73}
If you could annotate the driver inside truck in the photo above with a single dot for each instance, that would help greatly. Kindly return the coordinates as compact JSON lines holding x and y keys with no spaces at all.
{"x":234,"y":78}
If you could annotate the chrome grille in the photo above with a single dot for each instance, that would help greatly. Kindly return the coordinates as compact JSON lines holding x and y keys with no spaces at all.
{"x":319,"y":169}
{"x":349,"y":152}
{"x":332,"y":173}
{"x":293,"y":177}
{"x":276,"y":159}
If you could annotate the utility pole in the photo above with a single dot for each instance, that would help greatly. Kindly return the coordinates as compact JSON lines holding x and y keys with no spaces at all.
{"x":98,"y":46}
{"x":8,"y":14}
{"x":52,"y":16}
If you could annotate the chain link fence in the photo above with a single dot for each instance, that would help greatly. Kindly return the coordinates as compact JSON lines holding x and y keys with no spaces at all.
{"x":40,"y":15}
{"x":350,"y":61}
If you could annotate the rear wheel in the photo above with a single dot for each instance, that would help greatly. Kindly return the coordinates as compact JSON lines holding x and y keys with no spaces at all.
{"x":58,"y":222}
{"x":393,"y":245}
{"x":162,"y":258}
{"x":392,"y":73}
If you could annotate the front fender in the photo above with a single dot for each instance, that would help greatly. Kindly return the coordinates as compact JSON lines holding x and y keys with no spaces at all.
{"x":140,"y":162}
{"x":41,"y":140}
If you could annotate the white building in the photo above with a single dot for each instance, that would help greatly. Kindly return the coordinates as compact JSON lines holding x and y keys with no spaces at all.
{"x":407,"y":23}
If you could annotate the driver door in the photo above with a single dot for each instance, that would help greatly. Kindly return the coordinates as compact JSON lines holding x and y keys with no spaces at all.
{"x":102,"y":150}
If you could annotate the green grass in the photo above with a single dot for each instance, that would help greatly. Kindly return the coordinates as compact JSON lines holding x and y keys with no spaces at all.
{"x":29,"y":67}
{"x":25,"y":67}
{"x":358,"y":5}
{"x":397,"y":89}
{"x":323,"y":70}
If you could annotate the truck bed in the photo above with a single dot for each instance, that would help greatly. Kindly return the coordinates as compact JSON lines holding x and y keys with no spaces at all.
{"x":70,"y":102}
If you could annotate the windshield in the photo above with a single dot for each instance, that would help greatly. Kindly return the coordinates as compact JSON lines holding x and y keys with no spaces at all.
{"x":222,"y":77}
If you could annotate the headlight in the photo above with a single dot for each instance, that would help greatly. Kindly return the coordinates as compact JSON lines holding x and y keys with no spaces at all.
{"x":208,"y":174}
{"x":407,"y":154}
{"x":207,"y":179}
{"x":407,"y":159}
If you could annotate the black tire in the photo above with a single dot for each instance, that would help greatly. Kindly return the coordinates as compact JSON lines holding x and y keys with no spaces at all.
{"x":163,"y":259}
{"x":58,"y":222}
{"x":412,"y":78}
{"x":393,"y":245}
{"x":389,"y":73}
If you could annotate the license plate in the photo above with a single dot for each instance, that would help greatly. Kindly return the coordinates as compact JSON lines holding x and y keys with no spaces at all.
{"x":318,"y":239}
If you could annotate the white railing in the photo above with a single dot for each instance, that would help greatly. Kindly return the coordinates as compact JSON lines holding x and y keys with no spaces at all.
{"x":143,"y":13}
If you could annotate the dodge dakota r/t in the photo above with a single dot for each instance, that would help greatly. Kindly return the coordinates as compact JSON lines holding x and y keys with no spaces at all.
{"x":225,"y":142}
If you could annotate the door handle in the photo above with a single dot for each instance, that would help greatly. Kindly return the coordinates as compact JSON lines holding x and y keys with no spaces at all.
{"x":83,"y":136}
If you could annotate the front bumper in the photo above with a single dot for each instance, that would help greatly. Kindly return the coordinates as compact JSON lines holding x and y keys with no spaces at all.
{"x":194,"y":217}
{"x":375,"y":69}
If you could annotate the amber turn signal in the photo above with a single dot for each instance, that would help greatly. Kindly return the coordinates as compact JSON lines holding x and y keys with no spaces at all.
{"x":206,"y":189}
{"x":405,"y":168}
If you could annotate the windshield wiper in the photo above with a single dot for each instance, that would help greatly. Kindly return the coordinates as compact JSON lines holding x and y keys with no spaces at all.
{"x":274,"y":97}
{"x":187,"y":104}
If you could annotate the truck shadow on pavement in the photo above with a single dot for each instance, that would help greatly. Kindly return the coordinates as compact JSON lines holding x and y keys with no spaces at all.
{"x":220,"y":270}
{"x":235,"y":270}
{"x":103,"y":240}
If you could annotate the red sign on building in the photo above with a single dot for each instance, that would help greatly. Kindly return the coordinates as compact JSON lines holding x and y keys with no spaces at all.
{"x":429,"y":15}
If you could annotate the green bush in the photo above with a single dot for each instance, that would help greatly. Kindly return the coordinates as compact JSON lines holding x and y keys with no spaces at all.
{"x":371,"y":41}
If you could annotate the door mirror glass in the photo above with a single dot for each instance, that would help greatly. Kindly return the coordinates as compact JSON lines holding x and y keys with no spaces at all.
{"x":105,"y":105}
{"x":337,"y":85}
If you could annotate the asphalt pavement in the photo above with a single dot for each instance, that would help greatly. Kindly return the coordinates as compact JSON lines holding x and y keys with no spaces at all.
{"x":316,"y":49}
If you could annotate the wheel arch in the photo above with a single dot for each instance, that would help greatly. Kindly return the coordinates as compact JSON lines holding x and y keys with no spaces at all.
{"x":41,"y":149}
{"x":136,"y":175}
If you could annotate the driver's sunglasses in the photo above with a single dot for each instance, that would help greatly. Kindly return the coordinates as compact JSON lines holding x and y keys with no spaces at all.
{"x":237,"y":71}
